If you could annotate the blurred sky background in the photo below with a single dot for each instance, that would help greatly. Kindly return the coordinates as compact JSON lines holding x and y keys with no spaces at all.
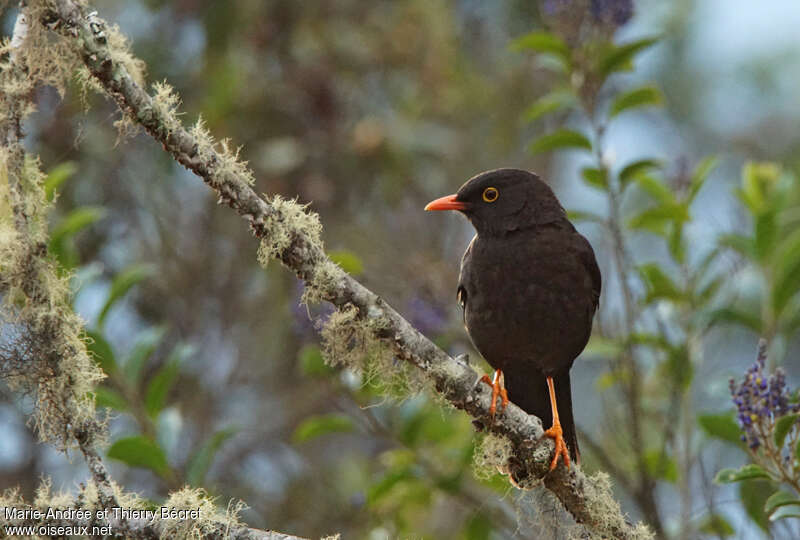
{"x":368,"y":110}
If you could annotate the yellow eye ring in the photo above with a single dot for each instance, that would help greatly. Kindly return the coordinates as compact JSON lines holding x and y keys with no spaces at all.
{"x":490,"y":194}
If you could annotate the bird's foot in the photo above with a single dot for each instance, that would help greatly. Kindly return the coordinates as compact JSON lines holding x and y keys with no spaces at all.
{"x":498,"y":389}
{"x":557,"y":435}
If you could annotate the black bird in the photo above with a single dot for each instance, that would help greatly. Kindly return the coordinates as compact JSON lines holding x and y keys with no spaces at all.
{"x":529,"y":288}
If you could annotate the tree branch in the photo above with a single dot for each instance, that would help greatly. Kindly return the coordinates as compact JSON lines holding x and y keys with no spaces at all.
{"x":301,"y":251}
{"x":35,"y":265}
{"x":46,"y":356}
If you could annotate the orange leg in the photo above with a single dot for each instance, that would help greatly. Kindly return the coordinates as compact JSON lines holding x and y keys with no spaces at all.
{"x":498,"y":388}
{"x":555,"y":432}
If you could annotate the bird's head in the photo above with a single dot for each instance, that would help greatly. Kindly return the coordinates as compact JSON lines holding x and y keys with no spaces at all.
{"x":503,"y":200}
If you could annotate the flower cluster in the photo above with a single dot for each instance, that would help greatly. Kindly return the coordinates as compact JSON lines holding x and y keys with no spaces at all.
{"x":610,"y":12}
{"x":616,"y":12}
{"x":760,"y":399}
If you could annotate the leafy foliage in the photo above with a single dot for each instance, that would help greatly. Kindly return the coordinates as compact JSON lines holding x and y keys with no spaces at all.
{"x":561,"y":139}
{"x":328,"y":136}
{"x":674,"y":301}
{"x":139,"y":451}
{"x":322,"y":425}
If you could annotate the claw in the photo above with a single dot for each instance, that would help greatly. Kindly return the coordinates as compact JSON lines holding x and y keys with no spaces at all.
{"x":555,"y":432}
{"x":498,"y":389}
{"x":557,"y":435}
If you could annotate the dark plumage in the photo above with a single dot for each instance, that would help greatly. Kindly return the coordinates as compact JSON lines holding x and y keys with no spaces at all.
{"x":529,"y":288}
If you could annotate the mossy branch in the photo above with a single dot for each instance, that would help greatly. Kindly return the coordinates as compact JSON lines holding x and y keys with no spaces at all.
{"x":140,"y":520}
{"x":292,"y":235}
{"x":42,"y":352}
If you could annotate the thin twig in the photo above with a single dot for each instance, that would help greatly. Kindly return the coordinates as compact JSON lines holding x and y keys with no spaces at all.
{"x":645,"y":496}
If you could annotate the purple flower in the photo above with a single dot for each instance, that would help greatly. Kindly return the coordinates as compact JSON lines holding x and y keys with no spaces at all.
{"x":552,"y":7}
{"x":608,"y":12}
{"x":429,"y":318}
{"x":761,"y":398}
{"x":617,"y":12}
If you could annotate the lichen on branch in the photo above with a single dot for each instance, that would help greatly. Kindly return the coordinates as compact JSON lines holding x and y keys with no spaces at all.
{"x":41,"y":352}
{"x":291,"y":234}
{"x":189,"y":513}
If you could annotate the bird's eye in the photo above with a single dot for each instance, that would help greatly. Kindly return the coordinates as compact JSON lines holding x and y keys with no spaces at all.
{"x":490,"y":194}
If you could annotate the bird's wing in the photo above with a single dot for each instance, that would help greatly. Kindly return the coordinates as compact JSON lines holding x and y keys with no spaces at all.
{"x":461,"y":292}
{"x":590,"y":263}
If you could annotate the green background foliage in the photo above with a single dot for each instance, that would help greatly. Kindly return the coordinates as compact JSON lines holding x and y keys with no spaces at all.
{"x":367,"y":111}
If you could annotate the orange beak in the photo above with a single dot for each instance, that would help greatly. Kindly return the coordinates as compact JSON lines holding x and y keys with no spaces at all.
{"x":450,"y":202}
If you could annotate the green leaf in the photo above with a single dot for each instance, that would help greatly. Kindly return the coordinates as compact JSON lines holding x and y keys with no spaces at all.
{"x":721,"y":426}
{"x":101,"y":351}
{"x":142,"y":350}
{"x":111,"y":399}
{"x":547,"y":104}
{"x":701,"y":173}
{"x":479,"y":527}
{"x":782,"y":428}
{"x":563,"y":138}
{"x":543,"y":42}
{"x":661,"y":466}
{"x":312,"y":363}
{"x":597,"y":178}
{"x":57,"y":176}
{"x":758,"y":182}
{"x":382,"y":487}
{"x":656,"y":218}
{"x":787,"y":272}
{"x":74,"y":222}
{"x":620,"y":57}
{"x":716,"y":525}
{"x":736,"y":316}
{"x":659,"y":285}
{"x":200,"y":462}
{"x":787,"y":511}
{"x":581,"y":215}
{"x":324,"y":424}
{"x":747,"y":472}
{"x":141,"y":452}
{"x":797,"y":452}
{"x":398,"y":458}
{"x":778,"y":499}
{"x":159,"y":387}
{"x":786,"y":287}
{"x":630,"y":171}
{"x":705,"y":294}
{"x":657,"y":190}
{"x":638,"y":97}
{"x":739,"y":243}
{"x":348,"y":261}
{"x":679,"y":367}
{"x":121,"y":284}
{"x":677,"y":247}
{"x":766,"y":234}
{"x":754,"y":495}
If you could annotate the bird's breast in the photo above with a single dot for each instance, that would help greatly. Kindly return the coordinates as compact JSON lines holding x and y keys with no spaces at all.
{"x":528,"y":299}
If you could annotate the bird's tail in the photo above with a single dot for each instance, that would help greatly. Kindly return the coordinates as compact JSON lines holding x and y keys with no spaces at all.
{"x":529,"y":391}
